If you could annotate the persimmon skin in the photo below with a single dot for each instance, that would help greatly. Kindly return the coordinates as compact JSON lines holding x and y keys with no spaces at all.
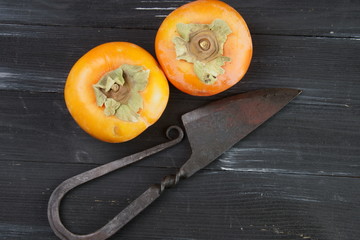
{"x":80,"y":98}
{"x":238,"y":47}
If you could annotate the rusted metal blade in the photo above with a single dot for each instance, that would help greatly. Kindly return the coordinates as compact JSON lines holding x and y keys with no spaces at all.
{"x":216,"y":127}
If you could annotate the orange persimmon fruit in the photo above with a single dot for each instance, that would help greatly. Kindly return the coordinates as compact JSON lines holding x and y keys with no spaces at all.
{"x":204,"y":47}
{"x":115,"y":91}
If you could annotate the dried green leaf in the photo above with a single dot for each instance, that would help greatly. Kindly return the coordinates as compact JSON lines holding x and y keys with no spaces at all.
{"x":208,"y":72}
{"x":134,"y":76}
{"x":182,"y":52}
{"x":108,"y":80}
{"x":221,"y":30}
{"x":101,"y":83}
{"x":140,"y":80}
{"x":135,"y":101}
{"x":185,"y":30}
{"x":117,"y":76}
{"x":109,"y":83}
{"x":110,"y":107}
{"x":125,"y":113}
{"x":100,"y":96}
{"x":130,"y":70}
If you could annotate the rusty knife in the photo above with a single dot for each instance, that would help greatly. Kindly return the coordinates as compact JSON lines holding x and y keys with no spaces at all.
{"x":211,"y":130}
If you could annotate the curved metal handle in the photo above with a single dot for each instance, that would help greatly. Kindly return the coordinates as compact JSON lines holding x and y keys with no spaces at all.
{"x":124,"y":216}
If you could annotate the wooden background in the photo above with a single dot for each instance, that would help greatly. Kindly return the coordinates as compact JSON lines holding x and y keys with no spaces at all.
{"x":296,"y":177}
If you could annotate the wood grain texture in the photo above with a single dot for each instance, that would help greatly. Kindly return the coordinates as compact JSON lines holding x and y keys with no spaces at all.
{"x":325,"y":69}
{"x":38,"y":58}
{"x":304,"y":138}
{"x":316,"y":18}
{"x":295,"y":177}
{"x":210,"y":205}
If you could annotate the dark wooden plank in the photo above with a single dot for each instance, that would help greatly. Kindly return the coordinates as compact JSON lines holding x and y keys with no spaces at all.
{"x":210,"y":205}
{"x":325,"y":18}
{"x":38,"y":58}
{"x":310,"y":136}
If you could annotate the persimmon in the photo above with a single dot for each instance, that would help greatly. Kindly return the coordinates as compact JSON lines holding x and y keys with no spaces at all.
{"x":204,"y":47}
{"x":115,"y":91}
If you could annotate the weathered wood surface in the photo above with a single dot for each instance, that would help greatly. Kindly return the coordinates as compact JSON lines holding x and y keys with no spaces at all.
{"x":296,"y":177}
{"x":302,"y":139}
{"x":307,"y":17}
{"x":38,"y":58}
{"x":210,"y":205}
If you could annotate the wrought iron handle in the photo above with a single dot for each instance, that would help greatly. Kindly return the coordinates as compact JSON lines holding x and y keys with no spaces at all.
{"x":125,"y":215}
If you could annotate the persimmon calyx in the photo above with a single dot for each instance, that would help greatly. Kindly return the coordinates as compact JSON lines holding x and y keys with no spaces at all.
{"x":203,"y":45}
{"x":119,"y":92}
